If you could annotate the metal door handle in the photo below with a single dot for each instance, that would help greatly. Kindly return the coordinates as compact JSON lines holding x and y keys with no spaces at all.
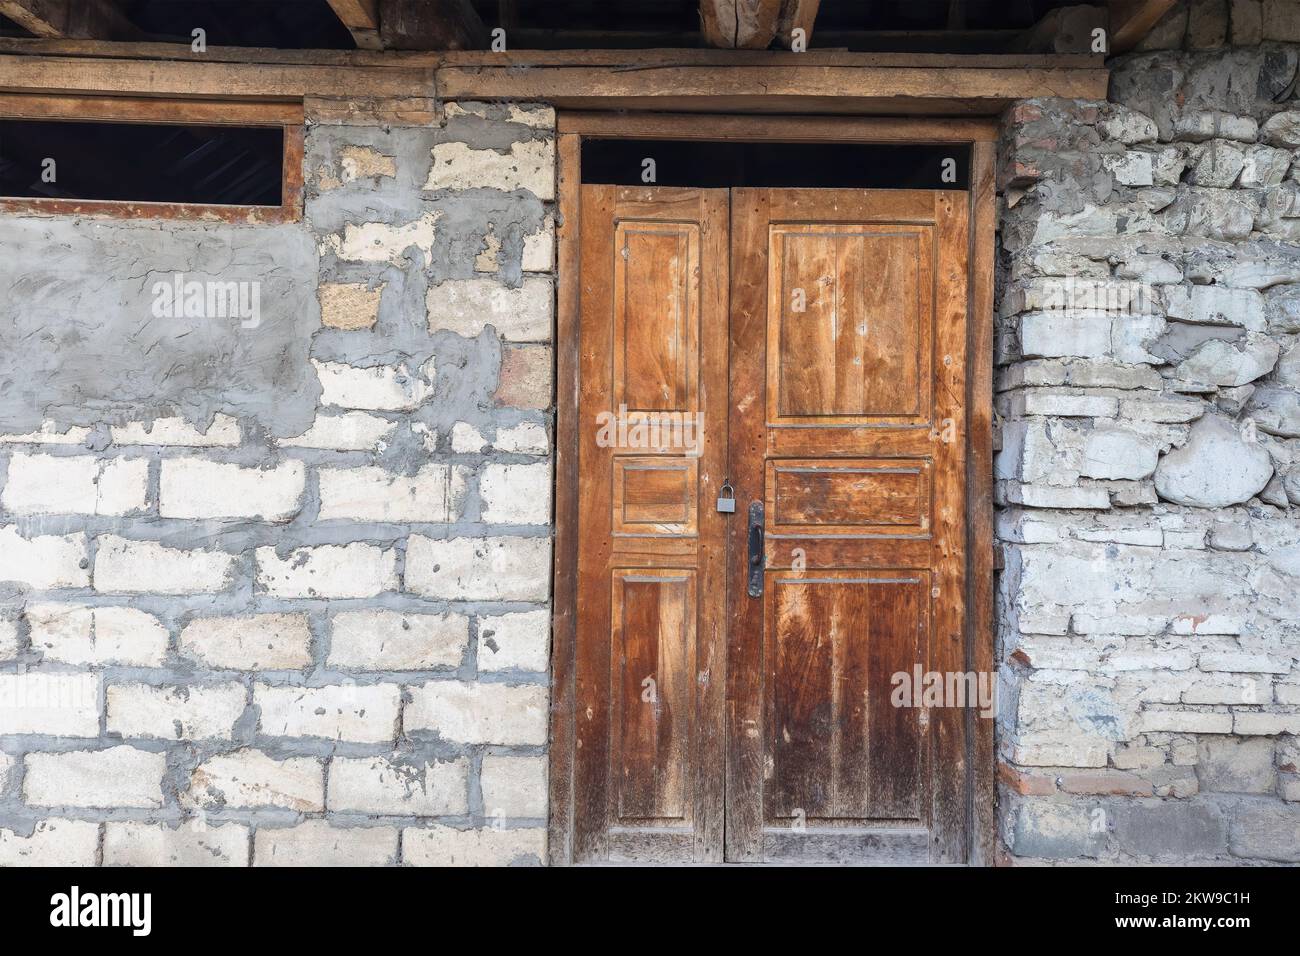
{"x":756,"y":561}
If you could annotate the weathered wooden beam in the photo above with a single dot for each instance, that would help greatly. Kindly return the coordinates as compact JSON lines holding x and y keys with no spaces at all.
{"x":682,"y":80}
{"x":1131,"y":20}
{"x":431,"y":25}
{"x":797,"y":15}
{"x":204,"y":80}
{"x":361,"y":17}
{"x":769,"y":89}
{"x":80,"y":19}
{"x":740,"y":24}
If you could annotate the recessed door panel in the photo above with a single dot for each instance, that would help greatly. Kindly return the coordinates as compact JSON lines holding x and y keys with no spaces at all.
{"x":654,"y":637}
{"x":851,"y":323}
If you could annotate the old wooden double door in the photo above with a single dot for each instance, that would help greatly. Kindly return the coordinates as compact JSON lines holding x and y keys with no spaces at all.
{"x":740,"y":674}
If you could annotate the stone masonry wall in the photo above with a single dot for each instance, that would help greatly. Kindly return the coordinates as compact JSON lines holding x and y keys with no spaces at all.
{"x":1149,"y":396}
{"x":279,"y":594}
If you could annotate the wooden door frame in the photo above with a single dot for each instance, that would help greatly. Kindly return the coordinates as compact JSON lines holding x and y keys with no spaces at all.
{"x":980,"y":135}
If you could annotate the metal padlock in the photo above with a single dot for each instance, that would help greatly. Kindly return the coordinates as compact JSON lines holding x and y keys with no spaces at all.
{"x":727,"y":499}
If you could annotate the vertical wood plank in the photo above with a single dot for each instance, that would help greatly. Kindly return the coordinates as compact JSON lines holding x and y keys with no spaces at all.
{"x":950,"y":809}
{"x":711,"y":656}
{"x":747,"y":450}
{"x":979,"y":496}
{"x":564,"y":620}
{"x":592,"y":723}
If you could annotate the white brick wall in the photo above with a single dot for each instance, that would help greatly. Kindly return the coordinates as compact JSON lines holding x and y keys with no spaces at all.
{"x":358,"y":713}
{"x":329,"y":571}
{"x":467,"y":306}
{"x":194,"y":488}
{"x":223,"y":432}
{"x":514,"y":786}
{"x":45,"y":561}
{"x":379,"y":388}
{"x":81,"y":484}
{"x":434,"y":493}
{"x":448,"y":846}
{"x":516,"y":494}
{"x":480,"y":713}
{"x":187,"y":712}
{"x":519,"y":641}
{"x":125,"y":566}
{"x":255,"y":642}
{"x":57,"y":704}
{"x":387,"y":640}
{"x":8,"y":639}
{"x":72,"y":634}
{"x":317,"y":843}
{"x":53,"y":842}
{"x":142,"y":844}
{"x":349,"y":431}
{"x":250,"y":779}
{"x":377,"y":785}
{"x":116,"y":777}
{"x":483,"y":569}
{"x":528,"y":165}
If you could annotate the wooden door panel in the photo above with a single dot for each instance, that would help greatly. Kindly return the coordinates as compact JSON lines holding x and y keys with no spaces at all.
{"x":656,"y":497}
{"x":650,"y":659}
{"x":848,"y":496}
{"x":848,"y":349}
{"x":654,"y":635}
{"x":842,"y":754}
{"x":656,"y":315}
{"x":848,"y":341}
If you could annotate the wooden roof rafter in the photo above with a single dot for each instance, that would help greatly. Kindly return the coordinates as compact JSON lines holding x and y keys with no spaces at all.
{"x":361,"y":17}
{"x":73,"y":19}
{"x":1131,"y":20}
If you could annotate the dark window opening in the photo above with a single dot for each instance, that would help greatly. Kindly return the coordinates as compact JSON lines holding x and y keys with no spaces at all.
{"x":128,"y":162}
{"x":627,"y":162}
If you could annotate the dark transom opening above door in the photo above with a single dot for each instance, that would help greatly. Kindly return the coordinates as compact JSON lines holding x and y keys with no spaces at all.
{"x":772,"y":165}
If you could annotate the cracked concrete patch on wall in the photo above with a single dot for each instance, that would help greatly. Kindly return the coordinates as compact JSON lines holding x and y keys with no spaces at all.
{"x":81,"y":341}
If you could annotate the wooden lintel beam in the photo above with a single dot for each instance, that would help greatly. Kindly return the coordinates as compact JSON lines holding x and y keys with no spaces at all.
{"x":1131,"y":20}
{"x":71,"y":19}
{"x":209,"y":80}
{"x":361,"y":17}
{"x":664,"y":80}
{"x":831,"y":89}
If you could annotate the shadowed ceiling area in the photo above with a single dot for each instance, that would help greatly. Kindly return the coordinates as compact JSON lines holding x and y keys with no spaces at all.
{"x":962,"y":26}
